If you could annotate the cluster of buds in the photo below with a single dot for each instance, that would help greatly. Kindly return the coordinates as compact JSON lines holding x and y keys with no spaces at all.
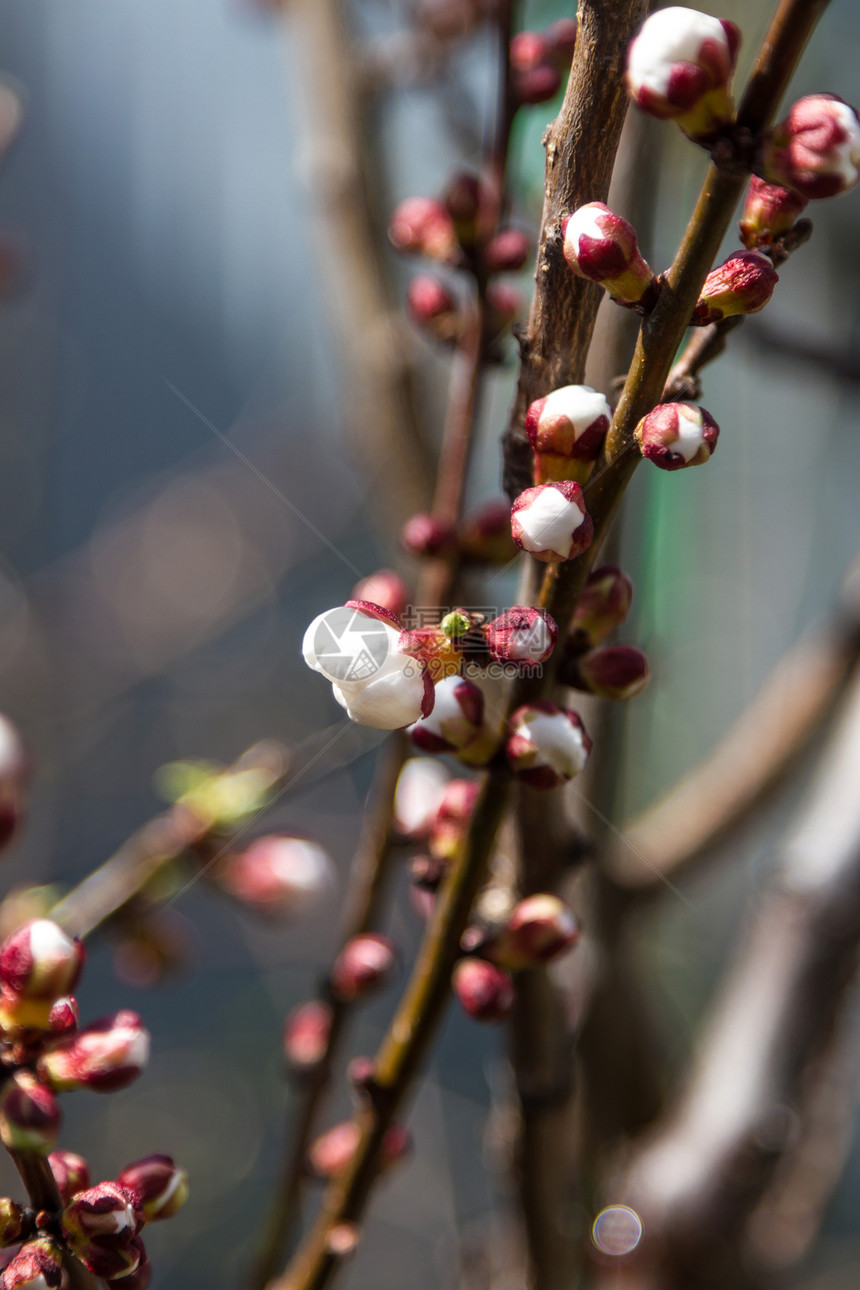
{"x":550,"y":521}
{"x":539,"y":59}
{"x":44,"y":1053}
{"x":680,"y":66}
{"x":277,"y":875}
{"x":602,"y":247}
{"x":815,"y":151}
{"x":359,"y":648}
{"x":566,"y":430}
{"x":605,"y":671}
{"x":547,"y":746}
{"x":676,"y":435}
{"x":537,"y":930}
{"x":742,"y":285}
{"x":484,"y":537}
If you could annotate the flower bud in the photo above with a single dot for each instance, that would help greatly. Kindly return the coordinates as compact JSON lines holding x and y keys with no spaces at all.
{"x":452,"y":817}
{"x":13,"y":777}
{"x":602,"y":247}
{"x":816,"y":149}
{"x":427,"y":872}
{"x":463,"y":199}
{"x":161,"y":1188}
{"x":561,"y":38}
{"x":12,"y":1222}
{"x":422,"y":225}
{"x":278,"y":875}
{"x":364,"y":964}
{"x":680,"y":66}
{"x":423,"y":534}
{"x":420,"y":789}
{"x":551,"y":522}
{"x":521,"y":635}
{"x":139,"y":1279}
{"x":64,"y":1016}
{"x":614,"y":672}
{"x":29,"y":1114}
{"x":540,"y":928}
{"x":333,"y":1151}
{"x":38,"y":1265}
{"x":38,"y":964}
{"x":742,"y":285}
{"x":386,"y":589}
{"x":485,"y":991}
{"x":548,"y":745}
{"x":306,"y":1036}
{"x":434,"y":309}
{"x":108,"y":1211}
{"x":769,"y":212}
{"x":71,"y":1172}
{"x":104,"y":1056}
{"x":567,"y":426}
{"x":456,"y":720}
{"x":485,"y":536}
{"x":112,"y":1261}
{"x":675,"y":435}
{"x":603,"y":606}
{"x":504,"y":306}
{"x":507,"y":251}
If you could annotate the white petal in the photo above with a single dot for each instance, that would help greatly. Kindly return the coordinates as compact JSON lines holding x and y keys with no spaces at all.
{"x":558,"y":741}
{"x":549,"y":523}
{"x":669,"y":36}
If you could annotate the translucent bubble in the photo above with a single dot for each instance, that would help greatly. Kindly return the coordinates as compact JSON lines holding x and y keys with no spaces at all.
{"x":617,"y":1230}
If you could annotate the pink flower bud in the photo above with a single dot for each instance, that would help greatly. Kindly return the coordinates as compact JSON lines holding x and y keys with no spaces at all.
{"x":485,"y":992}
{"x":770,"y":211}
{"x":507,"y":251}
{"x":12,"y":1222}
{"x":139,"y":1279}
{"x":423,"y":534}
{"x":161,"y":1187}
{"x":38,"y":964}
{"x":422,"y":226}
{"x":306,"y":1036}
{"x":463,"y":199}
{"x":504,"y":306}
{"x":333,"y":1151}
{"x":432,"y":307}
{"x":364,"y":964}
{"x":71,"y":1172}
{"x":541,"y":928}
{"x":456,"y":720}
{"x":420,"y":789}
{"x":561,"y":38}
{"x":568,"y":424}
{"x":29,"y":1114}
{"x":115,"y":1263}
{"x":14,"y":769}
{"x":680,"y":67}
{"x":278,"y":875}
{"x":551,"y":522}
{"x":104,"y":1056}
{"x":64,"y":1016}
{"x":452,"y":818}
{"x":485,"y":536}
{"x":602,"y":247}
{"x":742,"y":285}
{"x":107,"y":1212}
{"x":38,"y":1265}
{"x":548,"y":745}
{"x":603,"y":606}
{"x":521,"y":635}
{"x":386,"y":589}
{"x":357,"y":647}
{"x":614,"y":672}
{"x":816,"y":149}
{"x":675,"y":435}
